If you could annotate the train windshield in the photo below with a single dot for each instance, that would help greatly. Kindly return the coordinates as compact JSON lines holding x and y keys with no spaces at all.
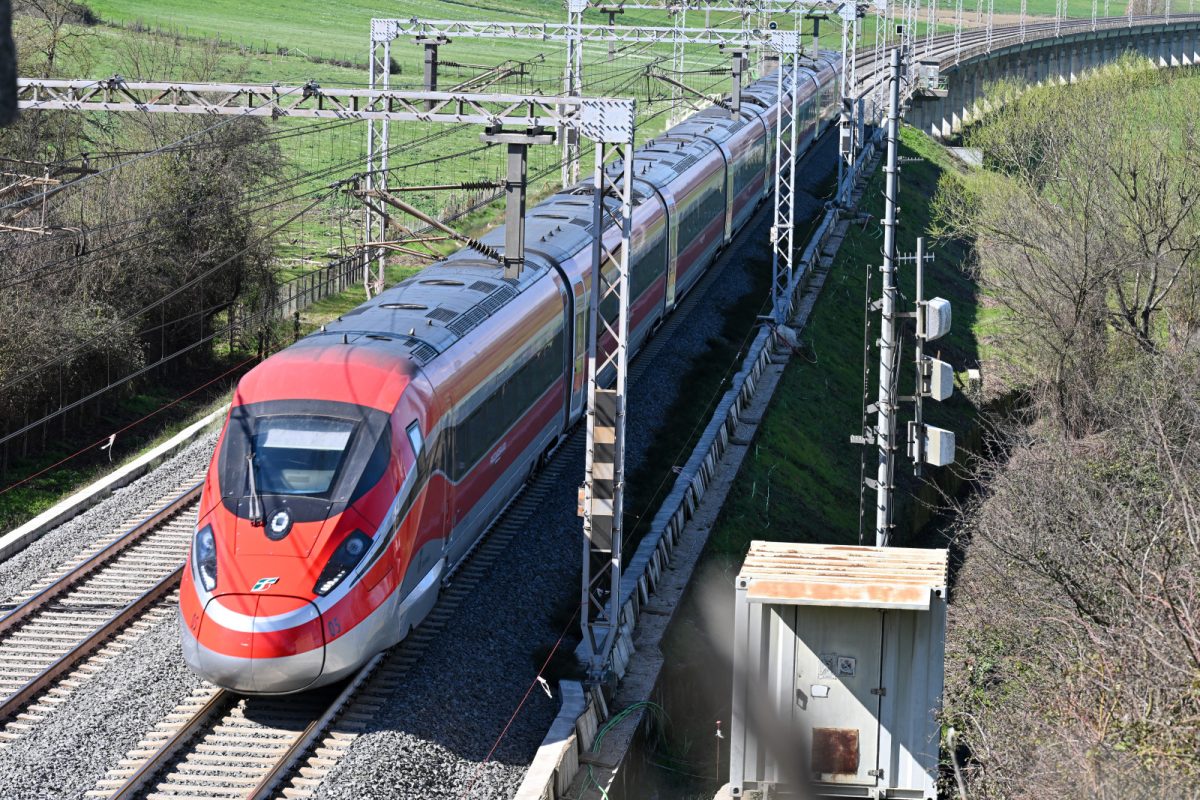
{"x":299,"y":454}
{"x":312,"y":456}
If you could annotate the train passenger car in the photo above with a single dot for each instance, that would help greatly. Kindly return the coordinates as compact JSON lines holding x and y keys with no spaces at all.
{"x":357,"y":467}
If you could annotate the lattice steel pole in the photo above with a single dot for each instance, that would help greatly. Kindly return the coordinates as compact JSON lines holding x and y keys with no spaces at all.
{"x":910,"y":27}
{"x":847,"y":87}
{"x":882,"y":34}
{"x":930,"y":26}
{"x":608,"y":354}
{"x":886,"y":437}
{"x":374,"y":223}
{"x":1024,"y":13}
{"x":958,"y":26}
{"x":573,"y":87}
{"x":787,"y":44}
{"x":679,"y":20}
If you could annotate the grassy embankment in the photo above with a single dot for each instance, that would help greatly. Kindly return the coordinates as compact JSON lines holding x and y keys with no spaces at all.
{"x":800,"y":482}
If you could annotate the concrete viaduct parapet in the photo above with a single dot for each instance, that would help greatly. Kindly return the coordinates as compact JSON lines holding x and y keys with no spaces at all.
{"x":1062,"y":59}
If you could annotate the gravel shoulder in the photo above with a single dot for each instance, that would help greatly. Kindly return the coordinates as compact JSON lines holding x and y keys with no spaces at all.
{"x":74,"y":536}
{"x":106,"y":717}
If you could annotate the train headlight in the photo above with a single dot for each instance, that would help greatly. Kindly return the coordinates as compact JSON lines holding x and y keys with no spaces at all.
{"x":204,"y":554}
{"x":343,"y":560}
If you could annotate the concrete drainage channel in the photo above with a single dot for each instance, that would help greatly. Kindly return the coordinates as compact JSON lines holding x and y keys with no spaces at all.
{"x":677,"y":537}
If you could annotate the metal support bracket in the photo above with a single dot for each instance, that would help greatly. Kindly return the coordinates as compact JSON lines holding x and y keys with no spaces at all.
{"x":516,"y":190}
{"x":431,"y":45}
{"x":739,"y":66}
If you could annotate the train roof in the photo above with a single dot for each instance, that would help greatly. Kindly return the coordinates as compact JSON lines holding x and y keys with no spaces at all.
{"x":424,"y":315}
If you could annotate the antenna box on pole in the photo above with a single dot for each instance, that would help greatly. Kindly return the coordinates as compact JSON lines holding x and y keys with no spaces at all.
{"x":937,"y":318}
{"x":941,"y":379}
{"x":939,"y":446}
{"x":838,"y":659}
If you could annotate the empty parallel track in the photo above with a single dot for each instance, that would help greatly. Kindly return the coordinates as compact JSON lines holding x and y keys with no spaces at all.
{"x":89,"y":610}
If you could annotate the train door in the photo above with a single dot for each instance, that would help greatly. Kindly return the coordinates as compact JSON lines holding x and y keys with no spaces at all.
{"x":448,"y":443}
{"x":730,"y":160}
{"x":672,"y":248}
{"x":579,"y":342}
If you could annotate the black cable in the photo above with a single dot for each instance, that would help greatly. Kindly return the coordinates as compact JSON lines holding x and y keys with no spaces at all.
{"x":158,"y":150}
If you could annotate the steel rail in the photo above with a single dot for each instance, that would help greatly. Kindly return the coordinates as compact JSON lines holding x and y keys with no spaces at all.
{"x":26,"y":640}
{"x":170,"y":748}
{"x":76,"y":575}
{"x":68,"y":660}
{"x":214,"y":713}
{"x":283,"y":767}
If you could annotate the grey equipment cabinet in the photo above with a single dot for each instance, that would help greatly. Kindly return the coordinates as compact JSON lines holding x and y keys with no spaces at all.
{"x":838,"y":658}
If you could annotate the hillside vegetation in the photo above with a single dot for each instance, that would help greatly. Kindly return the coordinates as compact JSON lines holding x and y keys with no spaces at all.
{"x":1073,"y":665}
{"x":801,"y":480}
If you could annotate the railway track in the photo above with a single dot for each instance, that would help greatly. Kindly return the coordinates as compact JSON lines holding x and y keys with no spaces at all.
{"x":63,"y":629}
{"x":218,"y":744}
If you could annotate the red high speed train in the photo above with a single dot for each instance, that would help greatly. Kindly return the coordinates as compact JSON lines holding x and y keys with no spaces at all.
{"x":360,"y":464}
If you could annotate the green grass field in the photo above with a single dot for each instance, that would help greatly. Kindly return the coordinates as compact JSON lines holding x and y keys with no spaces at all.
{"x":225,"y":41}
{"x":267,"y":41}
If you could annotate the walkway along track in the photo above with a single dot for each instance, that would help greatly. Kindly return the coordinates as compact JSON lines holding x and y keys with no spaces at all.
{"x":217,"y":744}
{"x":126,"y":584}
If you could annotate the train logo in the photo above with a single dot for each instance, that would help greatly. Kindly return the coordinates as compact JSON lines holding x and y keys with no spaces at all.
{"x":263,"y":584}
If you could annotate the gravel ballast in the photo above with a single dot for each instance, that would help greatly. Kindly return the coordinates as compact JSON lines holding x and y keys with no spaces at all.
{"x":75,"y":535}
{"x":108,"y":715}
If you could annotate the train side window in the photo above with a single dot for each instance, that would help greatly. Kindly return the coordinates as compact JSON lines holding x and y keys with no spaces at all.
{"x":414,"y":438}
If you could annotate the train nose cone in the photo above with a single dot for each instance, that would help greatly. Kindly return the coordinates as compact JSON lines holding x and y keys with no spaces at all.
{"x":278,"y":641}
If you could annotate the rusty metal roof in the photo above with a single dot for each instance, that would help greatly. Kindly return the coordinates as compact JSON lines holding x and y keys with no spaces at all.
{"x":842,"y":575}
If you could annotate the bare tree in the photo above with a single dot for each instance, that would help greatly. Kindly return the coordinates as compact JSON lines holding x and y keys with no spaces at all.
{"x":1087,"y":228}
{"x":1075,"y":646}
{"x":1073,"y":654}
{"x":53,"y":34}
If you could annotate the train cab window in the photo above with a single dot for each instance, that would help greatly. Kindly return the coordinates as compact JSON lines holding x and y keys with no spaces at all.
{"x":299,"y":455}
{"x":414,"y":438}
